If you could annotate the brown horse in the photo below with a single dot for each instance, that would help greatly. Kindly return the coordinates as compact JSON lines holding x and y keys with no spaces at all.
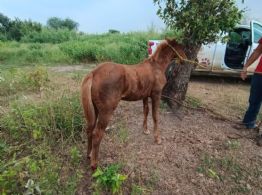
{"x":107,"y":84}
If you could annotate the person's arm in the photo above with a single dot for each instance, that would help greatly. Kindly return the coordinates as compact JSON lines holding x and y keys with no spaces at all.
{"x":254,"y":56}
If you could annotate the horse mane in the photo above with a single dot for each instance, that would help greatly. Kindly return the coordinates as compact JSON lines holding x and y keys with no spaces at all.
{"x":159,"y":48}
{"x":167,"y":43}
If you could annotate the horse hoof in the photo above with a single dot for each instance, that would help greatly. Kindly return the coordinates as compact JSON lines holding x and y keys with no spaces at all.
{"x":147,"y":132}
{"x":158,"y":141}
{"x":93,"y":167}
{"x":89,"y":155}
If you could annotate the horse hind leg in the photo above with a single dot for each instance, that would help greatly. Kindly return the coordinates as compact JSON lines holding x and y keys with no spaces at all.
{"x":155,"y":114}
{"x":89,"y":130}
{"x":146,"y":111}
{"x":97,"y":135}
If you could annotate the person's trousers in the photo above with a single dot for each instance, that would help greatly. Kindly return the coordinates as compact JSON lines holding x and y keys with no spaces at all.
{"x":255,"y":100}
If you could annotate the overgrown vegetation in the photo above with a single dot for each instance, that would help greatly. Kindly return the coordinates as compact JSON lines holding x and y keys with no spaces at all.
{"x":34,"y":135}
{"x":61,"y":117}
{"x":32,"y":131}
{"x":66,"y":47}
{"x":15,"y":80}
{"x":17,"y":30}
{"x":59,"y":42}
{"x":227,"y":169}
{"x":13,"y":54}
{"x":41,"y":123}
{"x":198,"y":22}
{"x":193,"y":102}
{"x":108,"y":179}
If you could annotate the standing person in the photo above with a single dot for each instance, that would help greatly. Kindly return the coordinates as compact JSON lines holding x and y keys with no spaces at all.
{"x":255,"y":98}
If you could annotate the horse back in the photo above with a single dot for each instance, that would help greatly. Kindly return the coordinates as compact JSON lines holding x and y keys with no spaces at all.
{"x":126,"y":82}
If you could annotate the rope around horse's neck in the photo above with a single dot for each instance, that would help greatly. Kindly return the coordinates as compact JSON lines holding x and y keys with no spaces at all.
{"x":186,"y":60}
{"x":201,"y":64}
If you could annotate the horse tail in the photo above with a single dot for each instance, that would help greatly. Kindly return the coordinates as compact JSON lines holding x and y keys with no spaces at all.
{"x":87,"y":103}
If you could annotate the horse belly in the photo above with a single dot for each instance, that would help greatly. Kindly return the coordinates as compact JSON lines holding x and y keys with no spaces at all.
{"x":139,"y":95}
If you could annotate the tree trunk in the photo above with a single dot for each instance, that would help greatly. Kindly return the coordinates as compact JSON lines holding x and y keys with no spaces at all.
{"x":178,"y":76}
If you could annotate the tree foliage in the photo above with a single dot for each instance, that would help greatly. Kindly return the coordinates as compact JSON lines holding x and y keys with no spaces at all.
{"x":58,"y":23}
{"x":16,"y":29}
{"x":199,"y":22}
{"x":27,"y":30}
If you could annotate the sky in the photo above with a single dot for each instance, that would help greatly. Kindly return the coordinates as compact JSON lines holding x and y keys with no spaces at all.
{"x":98,"y":16}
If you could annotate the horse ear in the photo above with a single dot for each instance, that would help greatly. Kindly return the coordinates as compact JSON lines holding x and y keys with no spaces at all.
{"x":172,"y":42}
{"x":167,"y":39}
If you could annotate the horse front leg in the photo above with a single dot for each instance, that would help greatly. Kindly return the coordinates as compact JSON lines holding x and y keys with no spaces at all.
{"x":155,"y":115}
{"x":146,"y":111}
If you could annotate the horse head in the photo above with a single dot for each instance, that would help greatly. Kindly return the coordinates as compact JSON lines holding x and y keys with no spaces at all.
{"x":167,"y":51}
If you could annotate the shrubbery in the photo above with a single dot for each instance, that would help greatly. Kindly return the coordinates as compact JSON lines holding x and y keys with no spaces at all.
{"x":120,"y":48}
{"x":50,"y":36}
{"x":67,"y":47}
{"x":14,"y":80}
{"x":61,"y":117}
{"x":14,"y":53}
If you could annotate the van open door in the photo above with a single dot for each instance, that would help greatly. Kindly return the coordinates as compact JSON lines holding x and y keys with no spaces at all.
{"x":256,"y":34}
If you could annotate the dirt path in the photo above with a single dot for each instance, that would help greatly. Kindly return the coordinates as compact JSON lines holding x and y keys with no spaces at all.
{"x":199,"y":154}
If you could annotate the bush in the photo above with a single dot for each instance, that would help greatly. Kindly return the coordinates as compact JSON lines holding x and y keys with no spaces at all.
{"x":30,"y":158}
{"x":62,"y":117}
{"x":14,"y":80}
{"x":13,"y":53}
{"x":67,"y":47}
{"x":50,"y":36}
{"x":120,"y":48}
{"x":29,"y":175}
{"x":108,"y":179}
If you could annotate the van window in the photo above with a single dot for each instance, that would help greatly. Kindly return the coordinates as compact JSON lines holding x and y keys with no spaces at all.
{"x":237,"y":46}
{"x":257,"y":32}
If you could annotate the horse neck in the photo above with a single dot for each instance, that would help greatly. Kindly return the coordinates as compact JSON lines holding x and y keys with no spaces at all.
{"x":162,"y":63}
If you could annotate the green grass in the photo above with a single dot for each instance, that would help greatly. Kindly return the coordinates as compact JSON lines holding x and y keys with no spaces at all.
{"x":25,"y":54}
{"x":193,"y":102}
{"x":56,"y":117}
{"x":122,"y":132}
{"x":108,"y":179}
{"x":33,"y":137}
{"x":228,"y":169}
{"x":16,"y":80}
{"x":232,"y":144}
{"x":127,"y":48}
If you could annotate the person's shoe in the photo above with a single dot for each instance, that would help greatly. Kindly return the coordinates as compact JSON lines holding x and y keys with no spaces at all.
{"x":259,"y":140}
{"x":255,"y":127}
{"x":242,"y":126}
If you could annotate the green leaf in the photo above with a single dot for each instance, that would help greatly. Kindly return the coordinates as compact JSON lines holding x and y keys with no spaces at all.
{"x":97,"y":173}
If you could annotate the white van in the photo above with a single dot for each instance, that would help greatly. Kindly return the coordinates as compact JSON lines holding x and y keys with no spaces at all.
{"x":226,"y":58}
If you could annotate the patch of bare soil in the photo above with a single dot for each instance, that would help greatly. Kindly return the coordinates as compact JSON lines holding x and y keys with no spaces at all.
{"x":68,"y":68}
{"x":199,"y":153}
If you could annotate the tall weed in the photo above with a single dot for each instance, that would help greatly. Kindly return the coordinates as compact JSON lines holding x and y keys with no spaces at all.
{"x":15,"y":80}
{"x":67,"y":47}
{"x":62,"y":117}
{"x":50,"y":36}
{"x":30,"y":54}
{"x":120,"y":48}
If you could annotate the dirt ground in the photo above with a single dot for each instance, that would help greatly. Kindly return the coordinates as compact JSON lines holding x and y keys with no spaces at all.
{"x":200,"y":154}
